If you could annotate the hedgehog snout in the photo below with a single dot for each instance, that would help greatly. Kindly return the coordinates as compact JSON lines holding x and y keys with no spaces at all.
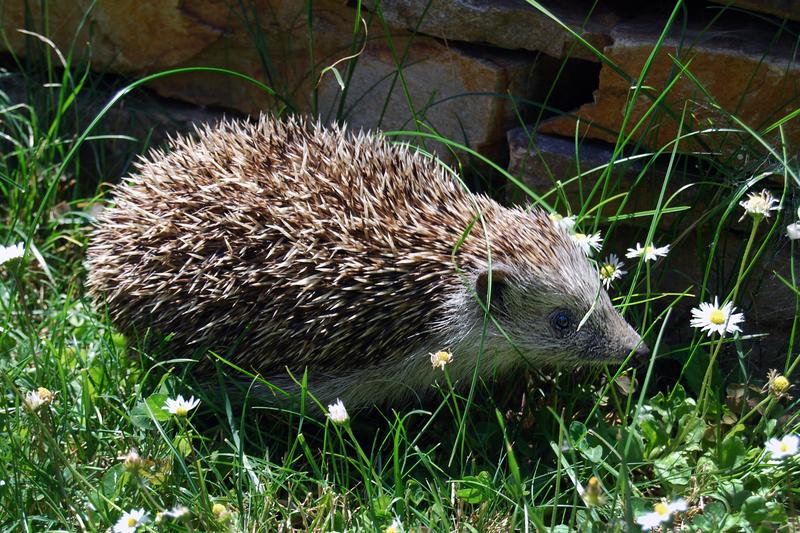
{"x":625,"y":340}
{"x":641,"y":354}
{"x":634,"y":345}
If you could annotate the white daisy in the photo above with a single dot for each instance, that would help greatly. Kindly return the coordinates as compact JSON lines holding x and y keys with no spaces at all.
{"x":132,"y":461}
{"x":785,"y":447}
{"x":611,"y":269}
{"x":337,"y":413}
{"x":715,"y":319}
{"x":589,"y":244}
{"x":651,"y":252}
{"x":777,"y":384}
{"x":565,"y":223}
{"x":661,"y":513}
{"x":793,"y":231}
{"x":441,"y":358}
{"x":179,"y":406}
{"x":36,"y":399}
{"x":759,"y":204}
{"x":130,"y":521}
{"x":15,"y":251}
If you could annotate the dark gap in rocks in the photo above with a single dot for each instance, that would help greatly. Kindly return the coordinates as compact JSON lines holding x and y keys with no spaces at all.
{"x":575,"y":85}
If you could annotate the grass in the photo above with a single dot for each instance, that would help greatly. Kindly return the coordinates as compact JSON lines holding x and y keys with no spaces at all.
{"x":553,"y":451}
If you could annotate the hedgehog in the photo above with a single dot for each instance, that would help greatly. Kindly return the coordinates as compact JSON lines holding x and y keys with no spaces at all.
{"x":290,"y":247}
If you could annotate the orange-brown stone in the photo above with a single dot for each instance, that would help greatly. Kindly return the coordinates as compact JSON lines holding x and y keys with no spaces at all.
{"x":737,"y":73}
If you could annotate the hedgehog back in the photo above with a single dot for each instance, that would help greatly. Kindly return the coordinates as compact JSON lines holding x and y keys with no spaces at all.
{"x":282,"y":243}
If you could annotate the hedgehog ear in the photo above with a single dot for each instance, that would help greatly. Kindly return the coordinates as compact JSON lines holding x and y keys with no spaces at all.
{"x":501,"y":276}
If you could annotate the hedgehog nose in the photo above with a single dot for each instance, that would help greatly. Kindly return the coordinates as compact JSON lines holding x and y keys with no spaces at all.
{"x":641,"y":353}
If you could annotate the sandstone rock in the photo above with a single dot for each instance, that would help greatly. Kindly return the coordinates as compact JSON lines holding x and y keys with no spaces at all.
{"x":263,"y":39}
{"x":126,"y":36}
{"x":784,"y":9}
{"x":505,"y":23}
{"x":270,"y":40}
{"x":544,"y":162}
{"x":757,"y":82}
{"x":455,"y":91}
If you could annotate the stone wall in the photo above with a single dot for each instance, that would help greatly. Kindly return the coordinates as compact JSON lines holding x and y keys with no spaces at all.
{"x":500,"y":76}
{"x":456,"y":62}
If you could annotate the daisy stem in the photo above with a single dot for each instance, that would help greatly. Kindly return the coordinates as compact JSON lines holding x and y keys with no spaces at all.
{"x":647,"y":300}
{"x":768,"y":400}
{"x":144,"y":491}
{"x":366,"y":462}
{"x":743,"y":264}
{"x":452,"y":394}
{"x":702,"y":405}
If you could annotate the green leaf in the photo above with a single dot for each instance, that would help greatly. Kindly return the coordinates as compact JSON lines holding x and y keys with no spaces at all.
{"x":111,"y":480}
{"x":382,"y":507}
{"x":733,"y":492}
{"x":673,"y":469}
{"x":475,"y":489}
{"x":142,"y":417}
{"x":577,"y":433}
{"x":593,"y":453}
{"x":414,"y":492}
{"x":755,"y":509}
{"x":655,"y":436}
{"x":731,"y":452}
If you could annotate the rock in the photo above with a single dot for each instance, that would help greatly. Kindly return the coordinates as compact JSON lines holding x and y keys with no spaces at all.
{"x":544,"y":162}
{"x":733,"y":65}
{"x":509,"y":24}
{"x":269,"y":40}
{"x":454,"y":90}
{"x":783,"y":9}
{"x":266,"y":39}
{"x":127,"y":36}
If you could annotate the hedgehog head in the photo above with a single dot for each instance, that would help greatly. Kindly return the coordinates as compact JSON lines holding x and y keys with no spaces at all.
{"x":546,"y":299}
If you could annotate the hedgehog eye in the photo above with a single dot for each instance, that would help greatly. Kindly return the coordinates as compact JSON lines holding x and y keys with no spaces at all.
{"x":561,"y":321}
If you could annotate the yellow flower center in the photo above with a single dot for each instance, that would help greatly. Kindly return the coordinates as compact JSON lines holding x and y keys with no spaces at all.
{"x":131,"y":521}
{"x":780,"y":384}
{"x":593,"y":495}
{"x":391,"y":529}
{"x":441,"y":358}
{"x":580,"y":236}
{"x":218,"y":509}
{"x":758,"y":203}
{"x":662,"y":509}
{"x":46,"y":395}
{"x":649,"y":249}
{"x":181,"y":411}
{"x":784,"y":447}
{"x":607,"y":270}
{"x":717,"y":317}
